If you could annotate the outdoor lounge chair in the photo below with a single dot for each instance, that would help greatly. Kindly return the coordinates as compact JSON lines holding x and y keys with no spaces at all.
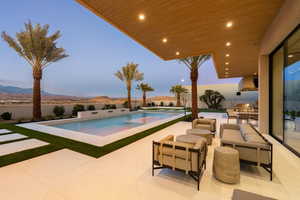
{"x":204,"y":123}
{"x":185,"y":157}
{"x":231,"y":114}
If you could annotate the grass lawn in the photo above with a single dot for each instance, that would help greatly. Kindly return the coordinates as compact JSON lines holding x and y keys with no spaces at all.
{"x":58,"y":143}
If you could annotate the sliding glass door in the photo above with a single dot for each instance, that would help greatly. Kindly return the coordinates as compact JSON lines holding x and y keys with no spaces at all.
{"x":285,"y":92}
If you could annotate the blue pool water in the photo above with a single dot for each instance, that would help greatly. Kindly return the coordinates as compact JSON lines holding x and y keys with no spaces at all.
{"x":103,"y":127}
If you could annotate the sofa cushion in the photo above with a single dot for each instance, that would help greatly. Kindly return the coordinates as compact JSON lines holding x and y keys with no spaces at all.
{"x":246,"y":129}
{"x":178,"y":152}
{"x":232,"y":137}
{"x":203,"y":126}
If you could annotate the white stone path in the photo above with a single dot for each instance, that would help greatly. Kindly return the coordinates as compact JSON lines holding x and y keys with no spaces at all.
{"x":2,"y":131}
{"x":10,"y":137}
{"x":17,"y":146}
{"x":20,"y":146}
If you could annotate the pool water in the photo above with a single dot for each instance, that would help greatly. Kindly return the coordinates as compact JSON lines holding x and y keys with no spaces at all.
{"x":108,"y":126}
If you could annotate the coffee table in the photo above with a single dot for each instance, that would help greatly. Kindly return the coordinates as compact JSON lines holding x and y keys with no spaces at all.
{"x":201,"y":132}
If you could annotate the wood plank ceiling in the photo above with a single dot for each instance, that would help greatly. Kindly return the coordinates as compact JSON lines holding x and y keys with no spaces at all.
{"x":194,"y":27}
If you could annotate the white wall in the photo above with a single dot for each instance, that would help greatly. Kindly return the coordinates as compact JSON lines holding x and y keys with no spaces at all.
{"x":228,"y":91}
{"x":24,"y":111}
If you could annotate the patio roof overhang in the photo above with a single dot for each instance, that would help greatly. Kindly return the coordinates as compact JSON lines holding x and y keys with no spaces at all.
{"x":194,"y":27}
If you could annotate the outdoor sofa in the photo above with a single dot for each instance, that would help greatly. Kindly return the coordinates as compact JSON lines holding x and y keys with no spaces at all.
{"x":253,"y":147}
{"x":185,"y":157}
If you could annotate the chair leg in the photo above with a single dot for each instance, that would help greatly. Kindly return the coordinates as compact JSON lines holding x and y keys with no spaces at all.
{"x":152,"y":169}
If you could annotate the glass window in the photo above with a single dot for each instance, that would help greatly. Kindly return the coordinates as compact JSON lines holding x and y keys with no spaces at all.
{"x":292,"y":92}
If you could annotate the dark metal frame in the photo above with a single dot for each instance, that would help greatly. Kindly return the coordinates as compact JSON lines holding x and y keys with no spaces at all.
{"x":281,"y":45}
{"x":196,"y":175}
{"x":267,"y":167}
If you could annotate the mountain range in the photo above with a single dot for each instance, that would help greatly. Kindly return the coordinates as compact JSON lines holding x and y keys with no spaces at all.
{"x":19,"y":90}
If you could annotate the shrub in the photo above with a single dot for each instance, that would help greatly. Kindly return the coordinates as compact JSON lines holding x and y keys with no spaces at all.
{"x":77,"y":108}
{"x":161,"y":103}
{"x":125,"y":104}
{"x":293,"y":114}
{"x":6,"y":115}
{"x":91,"y":107}
{"x":149,"y":104}
{"x":171,"y":104}
{"x":59,"y":111}
{"x":298,"y":114}
{"x":109,"y":106}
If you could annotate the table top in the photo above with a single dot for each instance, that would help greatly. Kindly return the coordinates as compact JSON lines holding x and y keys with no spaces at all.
{"x":192,"y":139}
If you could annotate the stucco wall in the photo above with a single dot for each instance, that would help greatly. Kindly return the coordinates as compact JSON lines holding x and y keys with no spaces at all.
{"x":25,"y":110}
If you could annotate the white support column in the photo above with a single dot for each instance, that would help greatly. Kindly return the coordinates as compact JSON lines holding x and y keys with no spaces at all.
{"x":263,"y":99}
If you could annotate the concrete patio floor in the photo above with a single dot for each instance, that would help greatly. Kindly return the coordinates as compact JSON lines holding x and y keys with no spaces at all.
{"x":126,"y":174}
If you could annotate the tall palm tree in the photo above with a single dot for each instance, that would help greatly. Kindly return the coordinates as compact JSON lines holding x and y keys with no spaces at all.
{"x":178,"y":90}
{"x":144,"y":87}
{"x":39,"y":50}
{"x":128,"y":74}
{"x":194,"y":63}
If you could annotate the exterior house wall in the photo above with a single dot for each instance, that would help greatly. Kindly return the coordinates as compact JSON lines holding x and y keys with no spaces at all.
{"x":228,"y":91}
{"x":286,"y":20}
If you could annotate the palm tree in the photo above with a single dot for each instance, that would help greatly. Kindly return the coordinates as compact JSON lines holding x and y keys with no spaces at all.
{"x":178,"y":90}
{"x":39,"y":50}
{"x":212,"y":99}
{"x":144,"y":87}
{"x":194,"y":63}
{"x":128,"y":74}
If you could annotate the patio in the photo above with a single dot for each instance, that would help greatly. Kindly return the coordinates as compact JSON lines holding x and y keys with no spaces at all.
{"x":126,"y":174}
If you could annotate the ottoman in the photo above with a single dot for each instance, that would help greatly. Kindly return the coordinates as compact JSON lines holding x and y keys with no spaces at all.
{"x":201,"y":132}
{"x":226,"y":165}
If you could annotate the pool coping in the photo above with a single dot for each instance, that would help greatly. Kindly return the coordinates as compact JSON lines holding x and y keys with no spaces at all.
{"x":92,"y":139}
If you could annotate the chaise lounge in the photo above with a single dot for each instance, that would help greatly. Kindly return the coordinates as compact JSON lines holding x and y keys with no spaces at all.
{"x":253,"y":147}
{"x":185,"y":157}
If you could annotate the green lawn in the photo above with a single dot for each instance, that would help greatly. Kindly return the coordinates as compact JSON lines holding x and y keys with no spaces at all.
{"x":58,"y":143}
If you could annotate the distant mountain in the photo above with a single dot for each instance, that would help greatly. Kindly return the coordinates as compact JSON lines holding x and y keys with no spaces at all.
{"x":18,"y":90}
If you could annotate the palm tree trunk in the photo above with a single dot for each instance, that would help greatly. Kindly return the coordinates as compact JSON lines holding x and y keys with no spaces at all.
{"x":129,"y":97}
{"x":144,"y":99}
{"x":178,"y":100}
{"x":36,"y":95}
{"x":194,"y":79}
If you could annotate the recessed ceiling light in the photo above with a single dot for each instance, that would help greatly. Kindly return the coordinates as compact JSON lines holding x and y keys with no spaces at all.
{"x":227,"y":55}
{"x":177,"y":53}
{"x":229,"y":24}
{"x":227,"y":63}
{"x":165,"y":40}
{"x":228,"y":44}
{"x":226,"y":68}
{"x":291,"y":55}
{"x":142,"y":17}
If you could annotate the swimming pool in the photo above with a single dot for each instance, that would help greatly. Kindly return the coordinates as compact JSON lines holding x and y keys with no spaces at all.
{"x":108,"y":126}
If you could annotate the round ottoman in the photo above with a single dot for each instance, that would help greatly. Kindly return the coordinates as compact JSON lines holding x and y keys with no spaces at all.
{"x":226,"y":165}
{"x":201,"y":132}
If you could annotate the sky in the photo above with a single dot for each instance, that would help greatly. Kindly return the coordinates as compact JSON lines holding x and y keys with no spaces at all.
{"x":96,"y":51}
